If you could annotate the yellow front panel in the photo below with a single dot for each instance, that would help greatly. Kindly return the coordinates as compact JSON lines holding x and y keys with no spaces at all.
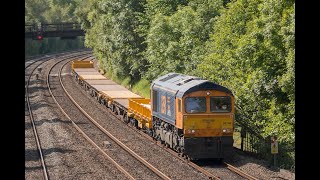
{"x":206,"y":125}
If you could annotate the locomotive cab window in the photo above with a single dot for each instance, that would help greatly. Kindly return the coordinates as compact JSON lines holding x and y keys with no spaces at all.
{"x":220,"y":104}
{"x":195,"y":104}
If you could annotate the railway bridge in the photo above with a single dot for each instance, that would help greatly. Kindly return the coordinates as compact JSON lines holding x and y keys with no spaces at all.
{"x":62,"y":30}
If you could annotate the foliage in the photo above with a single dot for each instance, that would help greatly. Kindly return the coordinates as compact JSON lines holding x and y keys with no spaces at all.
{"x":142,"y":88}
{"x":252,"y":52}
{"x":175,"y":43}
{"x":48,"y":45}
{"x":34,"y":10}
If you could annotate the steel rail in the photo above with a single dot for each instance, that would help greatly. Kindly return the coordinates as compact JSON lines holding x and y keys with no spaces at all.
{"x":135,"y":155}
{"x":238,"y":171}
{"x":34,"y":129}
{"x":120,"y":168}
{"x":193,"y":165}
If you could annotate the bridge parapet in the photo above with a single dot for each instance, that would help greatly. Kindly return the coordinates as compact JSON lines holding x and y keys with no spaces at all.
{"x":63,"y":30}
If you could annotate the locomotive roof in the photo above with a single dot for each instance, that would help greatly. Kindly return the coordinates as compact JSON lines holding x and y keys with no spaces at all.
{"x":181,"y":84}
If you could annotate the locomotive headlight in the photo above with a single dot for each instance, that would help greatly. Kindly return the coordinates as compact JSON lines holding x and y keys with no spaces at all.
{"x":191,"y":131}
{"x":226,"y":130}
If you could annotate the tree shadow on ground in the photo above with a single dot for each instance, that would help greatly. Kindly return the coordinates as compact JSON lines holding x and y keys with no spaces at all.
{"x":40,"y":122}
{"x":33,"y":154}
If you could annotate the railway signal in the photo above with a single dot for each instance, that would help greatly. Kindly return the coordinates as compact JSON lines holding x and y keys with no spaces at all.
{"x":39,"y":37}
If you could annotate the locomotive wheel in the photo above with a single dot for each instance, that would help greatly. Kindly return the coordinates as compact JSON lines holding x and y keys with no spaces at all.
{"x":150,"y":133}
{"x":135,"y":124}
{"x":154,"y":136}
{"x":178,"y":149}
{"x":188,"y":158}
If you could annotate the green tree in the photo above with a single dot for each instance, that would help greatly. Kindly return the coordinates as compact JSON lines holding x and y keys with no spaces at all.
{"x":252,"y":52}
{"x":176,"y":42}
{"x":34,"y":10}
{"x":112,"y":33}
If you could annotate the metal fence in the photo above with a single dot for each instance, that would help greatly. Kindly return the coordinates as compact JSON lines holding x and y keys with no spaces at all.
{"x":259,"y":147}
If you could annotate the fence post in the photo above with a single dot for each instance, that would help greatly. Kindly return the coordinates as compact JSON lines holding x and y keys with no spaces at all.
{"x":243,"y":135}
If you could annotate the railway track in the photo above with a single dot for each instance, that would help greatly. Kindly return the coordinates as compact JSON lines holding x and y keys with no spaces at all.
{"x":32,"y":120}
{"x":83,"y":126}
{"x":33,"y":65}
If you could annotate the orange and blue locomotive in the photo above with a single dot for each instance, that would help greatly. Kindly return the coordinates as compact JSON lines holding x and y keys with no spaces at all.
{"x":193,"y":116}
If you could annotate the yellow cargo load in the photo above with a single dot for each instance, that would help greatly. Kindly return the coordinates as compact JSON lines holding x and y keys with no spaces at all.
{"x":140,"y":109}
{"x":81,"y":64}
